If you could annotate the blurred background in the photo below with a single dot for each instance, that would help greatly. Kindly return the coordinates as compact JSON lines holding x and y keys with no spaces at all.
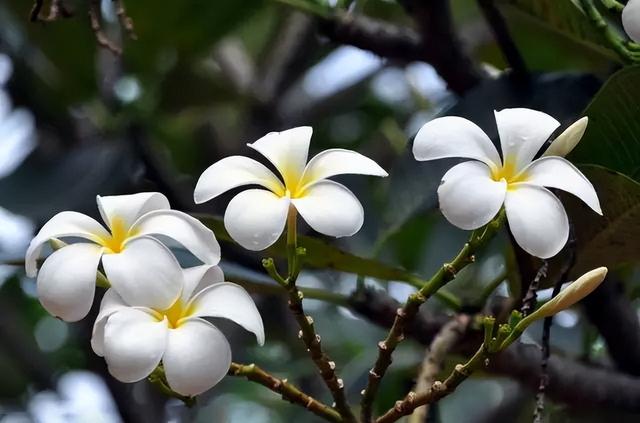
{"x":204,"y":78}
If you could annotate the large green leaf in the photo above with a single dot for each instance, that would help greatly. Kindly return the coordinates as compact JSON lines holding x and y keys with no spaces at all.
{"x":323,"y":255}
{"x":613,"y":135}
{"x":612,"y":239}
{"x":562,"y":16}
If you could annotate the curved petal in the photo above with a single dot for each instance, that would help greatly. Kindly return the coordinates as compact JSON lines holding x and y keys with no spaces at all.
{"x":469,"y":197}
{"x":111,"y":302}
{"x":338,"y":161}
{"x":188,"y":231}
{"x":522,"y":133}
{"x":145,"y":274}
{"x":331,"y":209}
{"x":198,"y":356}
{"x":134,"y":342}
{"x":631,"y":20}
{"x":556,"y":172}
{"x":255,"y":218}
{"x":124,"y":210}
{"x":67,"y":281}
{"x":287,"y":150}
{"x":198,"y":278}
{"x":453,"y":136}
{"x":64,"y":224}
{"x":566,"y":142}
{"x":232,"y":172}
{"x":537,"y":220}
{"x":229,"y":301}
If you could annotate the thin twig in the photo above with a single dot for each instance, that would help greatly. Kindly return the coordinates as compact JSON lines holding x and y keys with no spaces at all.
{"x":437,"y":390}
{"x":434,"y":358}
{"x":125,"y":21}
{"x":500,"y":30}
{"x":407,"y":312}
{"x":96,"y":27}
{"x":529,"y":300}
{"x":546,"y":332}
{"x":288,"y":391}
{"x":57,"y":9}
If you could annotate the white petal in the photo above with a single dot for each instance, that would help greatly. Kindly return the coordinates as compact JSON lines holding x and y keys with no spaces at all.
{"x":331,"y":209}
{"x":144,"y":274}
{"x":469,"y":197}
{"x":631,"y":20}
{"x":198,"y":356}
{"x":64,"y":224}
{"x":522,"y":133}
{"x":198,"y":278}
{"x":188,"y":231}
{"x":537,"y":220}
{"x":232,"y":172}
{"x":232,"y":302}
{"x":338,"y":161}
{"x":567,"y":141}
{"x":67,"y":281}
{"x":134,"y":342}
{"x":111,"y":302}
{"x":453,"y":136}
{"x":556,"y":172}
{"x":255,"y":218}
{"x":128,"y":208}
{"x":287,"y":150}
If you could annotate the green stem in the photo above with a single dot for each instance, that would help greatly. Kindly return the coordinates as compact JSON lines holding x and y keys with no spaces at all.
{"x":158,"y":378}
{"x":445,"y":274}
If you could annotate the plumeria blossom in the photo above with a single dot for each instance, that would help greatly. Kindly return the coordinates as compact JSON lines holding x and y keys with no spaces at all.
{"x":631,"y":20}
{"x":255,"y":218}
{"x":135,"y":337}
{"x":473,"y":192}
{"x":129,"y":255}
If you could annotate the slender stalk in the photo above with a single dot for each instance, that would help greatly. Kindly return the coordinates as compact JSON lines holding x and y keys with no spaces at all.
{"x":437,"y":390}
{"x":158,"y":378}
{"x":288,"y":391}
{"x":407,"y":312}
{"x":307,"y":333}
{"x":312,"y":293}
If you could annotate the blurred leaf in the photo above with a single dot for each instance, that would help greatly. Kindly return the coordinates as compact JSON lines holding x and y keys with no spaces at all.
{"x":321,"y":255}
{"x":613,"y":135}
{"x":565,"y":17}
{"x":613,"y":239}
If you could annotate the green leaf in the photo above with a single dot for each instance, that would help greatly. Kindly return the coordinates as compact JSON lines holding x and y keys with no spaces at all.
{"x":612,"y":139}
{"x":565,"y":17}
{"x":613,"y":239}
{"x":323,"y":255}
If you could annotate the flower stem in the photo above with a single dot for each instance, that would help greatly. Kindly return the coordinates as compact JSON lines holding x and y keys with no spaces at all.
{"x":437,"y":390}
{"x":407,"y":312}
{"x":288,"y":391}
{"x":307,"y":333}
{"x":158,"y":378}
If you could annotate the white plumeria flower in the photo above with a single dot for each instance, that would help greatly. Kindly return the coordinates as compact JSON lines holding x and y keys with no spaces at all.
{"x":472,"y":193}
{"x":631,"y":20}
{"x":66,"y":281}
{"x":255,"y":218}
{"x":135,"y":338}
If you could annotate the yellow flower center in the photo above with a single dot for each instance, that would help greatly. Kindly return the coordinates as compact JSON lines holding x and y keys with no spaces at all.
{"x":174,"y":314}
{"x":508,"y":172}
{"x":119,"y":234}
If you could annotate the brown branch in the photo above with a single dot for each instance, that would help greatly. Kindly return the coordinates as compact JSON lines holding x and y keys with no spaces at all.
{"x":288,"y":391}
{"x":570,"y":382}
{"x":58,"y":9}
{"x":530,"y":299}
{"x":101,"y":38}
{"x":125,"y":21}
{"x":446,"y":339}
{"x":409,"y":310}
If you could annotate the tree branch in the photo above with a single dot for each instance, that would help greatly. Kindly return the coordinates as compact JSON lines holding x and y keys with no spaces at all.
{"x":288,"y":391}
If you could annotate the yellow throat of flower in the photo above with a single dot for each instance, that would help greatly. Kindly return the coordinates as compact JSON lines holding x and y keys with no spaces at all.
{"x":119,"y":234}
{"x":174,"y":314}
{"x":508,"y":172}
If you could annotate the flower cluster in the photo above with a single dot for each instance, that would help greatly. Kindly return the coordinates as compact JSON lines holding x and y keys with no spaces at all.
{"x":153,"y":314}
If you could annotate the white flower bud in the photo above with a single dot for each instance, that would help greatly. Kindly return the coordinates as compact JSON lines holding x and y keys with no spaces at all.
{"x":567,"y":141}
{"x":631,"y":20}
